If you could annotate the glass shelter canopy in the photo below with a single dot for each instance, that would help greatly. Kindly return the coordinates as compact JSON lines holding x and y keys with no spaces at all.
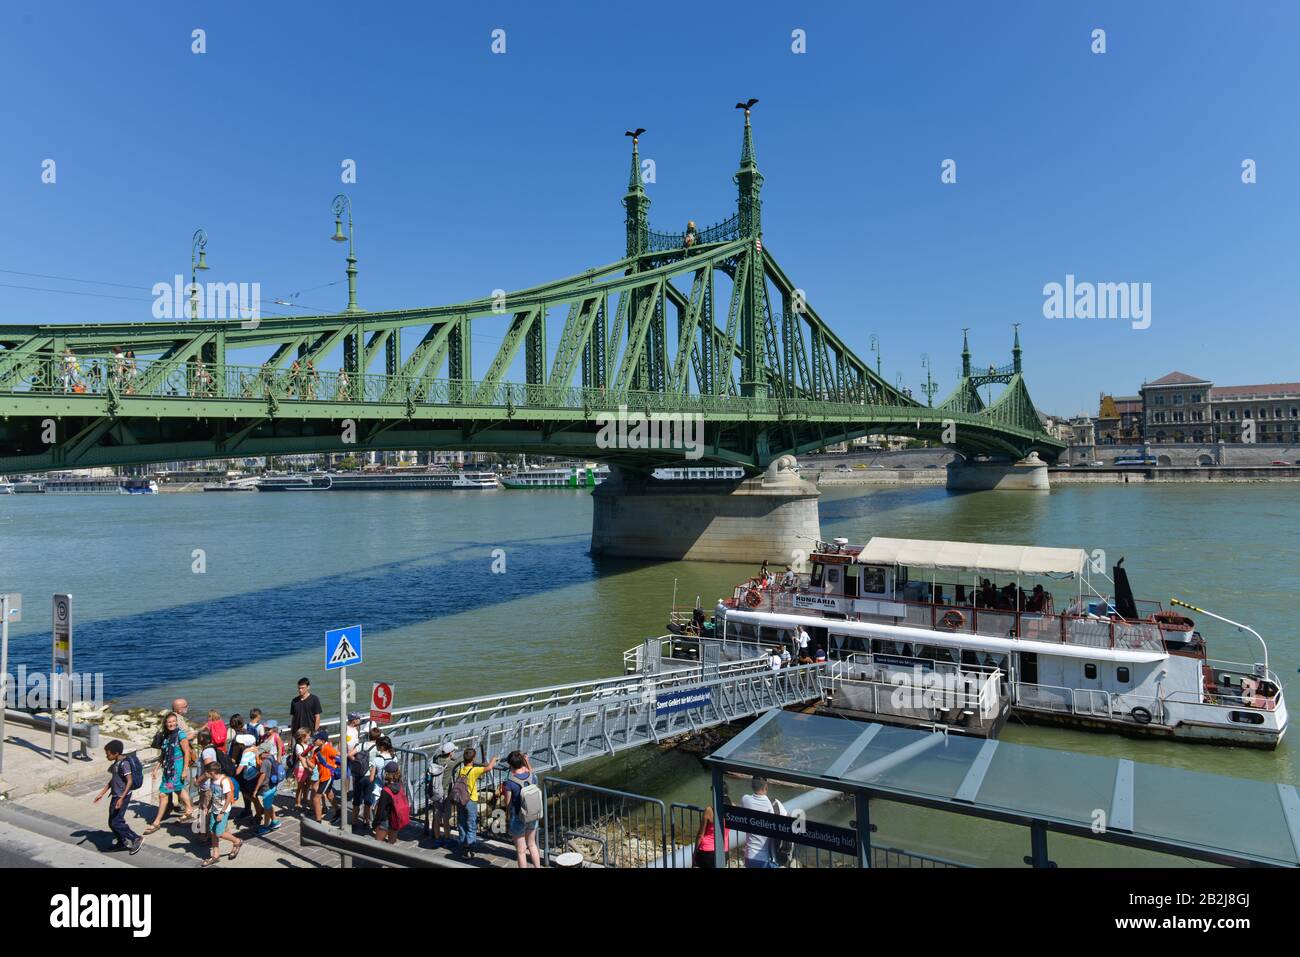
{"x":1185,"y":813}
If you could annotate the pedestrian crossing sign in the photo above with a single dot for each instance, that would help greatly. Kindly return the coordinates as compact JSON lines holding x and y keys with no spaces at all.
{"x":342,"y":647}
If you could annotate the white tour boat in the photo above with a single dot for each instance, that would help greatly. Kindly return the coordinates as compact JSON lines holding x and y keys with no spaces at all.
{"x":1090,"y":660}
{"x":568,"y":475}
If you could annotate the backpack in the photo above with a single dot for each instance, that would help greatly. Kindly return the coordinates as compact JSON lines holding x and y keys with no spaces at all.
{"x":319,"y":759}
{"x":277,"y":772}
{"x":249,"y":771}
{"x":526,"y":799}
{"x":460,"y":788}
{"x":361,"y":763}
{"x":135,"y":772}
{"x":782,"y":851}
{"x":435,"y":781}
{"x":234,"y":787}
{"x":400,"y":815}
{"x":227,"y":766}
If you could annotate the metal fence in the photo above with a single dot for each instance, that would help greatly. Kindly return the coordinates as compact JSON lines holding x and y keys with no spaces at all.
{"x":607,"y":827}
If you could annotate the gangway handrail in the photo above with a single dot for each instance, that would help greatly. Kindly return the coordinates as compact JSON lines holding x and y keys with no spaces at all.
{"x":566,"y":732}
{"x":516,"y":705}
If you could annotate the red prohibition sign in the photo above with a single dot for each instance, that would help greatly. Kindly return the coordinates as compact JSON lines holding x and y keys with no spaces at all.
{"x":382,"y":696}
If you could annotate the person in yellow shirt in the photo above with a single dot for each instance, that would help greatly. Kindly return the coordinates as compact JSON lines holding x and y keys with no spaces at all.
{"x":466,"y":799}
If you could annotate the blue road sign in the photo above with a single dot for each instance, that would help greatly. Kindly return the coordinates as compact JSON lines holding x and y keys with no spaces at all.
{"x":342,"y":647}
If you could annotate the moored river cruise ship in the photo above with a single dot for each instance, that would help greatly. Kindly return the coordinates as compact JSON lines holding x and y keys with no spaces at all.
{"x":1100,"y":660}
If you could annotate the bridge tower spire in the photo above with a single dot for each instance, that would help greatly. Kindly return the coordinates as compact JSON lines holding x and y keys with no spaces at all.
{"x":1015,"y":349}
{"x":749,"y":181}
{"x":637,"y":203}
{"x":965,"y":352}
{"x":756,"y":363}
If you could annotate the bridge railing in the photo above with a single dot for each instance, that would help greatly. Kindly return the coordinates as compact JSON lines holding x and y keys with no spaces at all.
{"x":60,"y":374}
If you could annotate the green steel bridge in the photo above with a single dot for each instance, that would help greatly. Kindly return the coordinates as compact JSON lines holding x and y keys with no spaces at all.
{"x":699,"y":323}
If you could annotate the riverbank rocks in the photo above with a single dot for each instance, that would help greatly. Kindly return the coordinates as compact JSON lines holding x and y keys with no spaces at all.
{"x":132,"y":724}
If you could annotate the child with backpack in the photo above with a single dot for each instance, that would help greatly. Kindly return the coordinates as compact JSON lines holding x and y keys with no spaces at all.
{"x":224,"y":792}
{"x":270,"y":773}
{"x":392,"y":810}
{"x":464,"y":794}
{"x":217,"y":728}
{"x":125,"y":775}
{"x":524,"y":808}
{"x":326,"y":764}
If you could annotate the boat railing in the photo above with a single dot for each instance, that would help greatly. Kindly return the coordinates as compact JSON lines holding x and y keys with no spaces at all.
{"x":1090,"y":632}
{"x":1090,"y":702}
{"x":689,"y":649}
{"x":937,"y":695}
{"x":1240,"y":668}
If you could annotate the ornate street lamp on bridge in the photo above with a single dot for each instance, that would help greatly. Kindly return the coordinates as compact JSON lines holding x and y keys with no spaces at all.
{"x":930,"y":387}
{"x":198,"y":261}
{"x":341,"y":205}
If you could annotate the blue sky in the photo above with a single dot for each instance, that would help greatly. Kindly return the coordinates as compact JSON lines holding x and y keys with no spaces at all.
{"x":478,"y":171}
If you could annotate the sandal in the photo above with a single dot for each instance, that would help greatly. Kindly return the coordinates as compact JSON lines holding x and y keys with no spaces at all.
{"x":208,"y":862}
{"x":186,"y":818}
{"x":235,"y":850}
{"x":151,"y":828}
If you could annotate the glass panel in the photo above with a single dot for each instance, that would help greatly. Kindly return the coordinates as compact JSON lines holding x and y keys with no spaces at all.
{"x":1057,"y":784}
{"x":1211,"y":810}
{"x":935,"y":766}
{"x":796,"y":742}
{"x":915,"y":837}
{"x":1066,"y":850}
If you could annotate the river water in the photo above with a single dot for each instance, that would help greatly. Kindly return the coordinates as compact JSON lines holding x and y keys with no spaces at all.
{"x":224,"y":598}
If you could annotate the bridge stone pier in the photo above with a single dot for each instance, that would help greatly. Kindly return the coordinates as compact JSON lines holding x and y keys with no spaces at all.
{"x":767,"y":517}
{"x":1028,"y":475}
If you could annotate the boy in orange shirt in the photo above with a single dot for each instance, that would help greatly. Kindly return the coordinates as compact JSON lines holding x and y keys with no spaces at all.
{"x":325,"y":759}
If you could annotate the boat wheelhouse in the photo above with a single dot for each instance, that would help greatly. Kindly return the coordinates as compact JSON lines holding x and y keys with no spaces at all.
{"x":1087,"y":658}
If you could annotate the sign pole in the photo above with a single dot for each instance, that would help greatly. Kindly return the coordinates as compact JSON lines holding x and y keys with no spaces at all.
{"x":4,"y":672}
{"x":343,"y":753}
{"x":71,"y":695}
{"x":343,"y":648}
{"x":61,"y":653}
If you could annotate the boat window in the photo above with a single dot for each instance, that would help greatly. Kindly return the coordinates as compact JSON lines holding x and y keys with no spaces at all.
{"x":1121,"y":674}
{"x":818,"y":570}
{"x":1246,"y":717}
{"x":1090,"y":670}
{"x":873,"y":580}
{"x":833,"y":575}
{"x":850,"y":582}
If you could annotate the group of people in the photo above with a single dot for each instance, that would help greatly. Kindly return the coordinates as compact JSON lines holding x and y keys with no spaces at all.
{"x":801,"y":650}
{"x":760,"y":851}
{"x":120,"y":366}
{"x":1010,"y":597}
{"x":765,"y":579}
{"x":203,"y":772}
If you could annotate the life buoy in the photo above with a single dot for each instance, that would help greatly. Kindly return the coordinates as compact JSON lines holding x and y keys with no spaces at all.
{"x":1141,"y":715}
{"x":952,"y":619}
{"x":753,"y":598}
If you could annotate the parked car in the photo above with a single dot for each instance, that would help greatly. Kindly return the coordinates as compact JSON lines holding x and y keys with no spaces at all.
{"x":1278,"y":462}
{"x":842,"y":467}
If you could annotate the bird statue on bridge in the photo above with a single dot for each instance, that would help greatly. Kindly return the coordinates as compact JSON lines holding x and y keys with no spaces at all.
{"x":747,"y":105}
{"x":635,"y":134}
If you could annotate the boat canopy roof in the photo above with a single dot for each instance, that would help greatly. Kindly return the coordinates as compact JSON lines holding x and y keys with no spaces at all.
{"x":976,"y":557}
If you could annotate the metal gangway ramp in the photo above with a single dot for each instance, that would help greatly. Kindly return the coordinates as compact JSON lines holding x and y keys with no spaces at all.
{"x":561,"y":725}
